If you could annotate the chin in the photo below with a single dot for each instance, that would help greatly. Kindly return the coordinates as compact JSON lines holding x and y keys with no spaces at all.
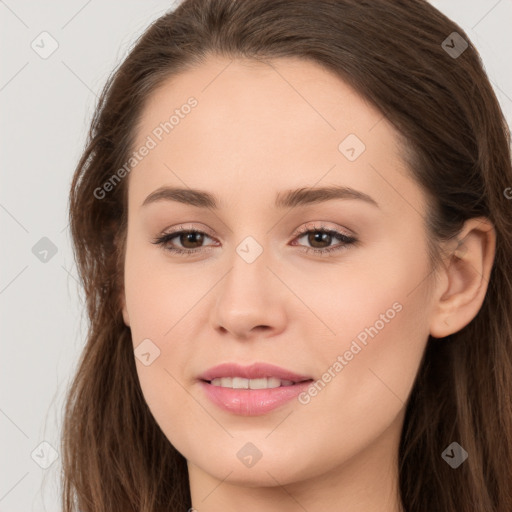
{"x":267,"y":472}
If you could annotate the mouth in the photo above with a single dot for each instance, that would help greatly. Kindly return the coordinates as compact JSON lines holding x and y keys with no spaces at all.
{"x":252,"y":397}
{"x":251,"y":390}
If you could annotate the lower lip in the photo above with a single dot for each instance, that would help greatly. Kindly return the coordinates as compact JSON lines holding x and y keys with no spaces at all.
{"x":252,"y":402}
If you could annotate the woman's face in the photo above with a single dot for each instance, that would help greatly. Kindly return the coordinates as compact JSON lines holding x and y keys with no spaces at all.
{"x":355,"y":320}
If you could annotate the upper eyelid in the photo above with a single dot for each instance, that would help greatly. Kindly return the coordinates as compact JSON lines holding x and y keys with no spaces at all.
{"x":320,"y":226}
{"x":310,"y":226}
{"x":184,"y":228}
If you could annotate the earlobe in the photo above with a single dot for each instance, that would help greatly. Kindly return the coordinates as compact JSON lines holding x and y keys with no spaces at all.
{"x":467,"y":273}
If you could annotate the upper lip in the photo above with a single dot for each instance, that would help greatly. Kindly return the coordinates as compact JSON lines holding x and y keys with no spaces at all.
{"x":254,"y":371}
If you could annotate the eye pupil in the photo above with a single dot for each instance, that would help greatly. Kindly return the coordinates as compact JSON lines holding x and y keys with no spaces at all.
{"x":318,"y":236}
{"x":189,"y":237}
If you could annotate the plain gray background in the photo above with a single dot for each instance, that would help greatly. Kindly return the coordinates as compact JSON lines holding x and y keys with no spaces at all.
{"x":46,"y":106}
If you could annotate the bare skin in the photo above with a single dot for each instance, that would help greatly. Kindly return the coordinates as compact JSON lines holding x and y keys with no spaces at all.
{"x":257,"y":130}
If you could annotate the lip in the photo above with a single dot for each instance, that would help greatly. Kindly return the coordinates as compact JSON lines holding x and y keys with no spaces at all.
{"x":252,"y":402}
{"x":253,"y":371}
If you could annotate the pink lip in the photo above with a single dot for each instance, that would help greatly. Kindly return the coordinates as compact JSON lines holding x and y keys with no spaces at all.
{"x":252,"y":402}
{"x":254,"y":371}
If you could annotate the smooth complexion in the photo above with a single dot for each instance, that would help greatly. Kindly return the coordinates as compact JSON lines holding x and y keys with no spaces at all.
{"x":261,"y":129}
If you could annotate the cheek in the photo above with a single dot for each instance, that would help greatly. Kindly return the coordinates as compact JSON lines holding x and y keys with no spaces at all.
{"x":380,"y":318}
{"x":156,"y":290}
{"x":158,"y":298}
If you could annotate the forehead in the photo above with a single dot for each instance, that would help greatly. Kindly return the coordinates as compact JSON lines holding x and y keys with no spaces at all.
{"x":263,"y":97}
{"x":267,"y":125}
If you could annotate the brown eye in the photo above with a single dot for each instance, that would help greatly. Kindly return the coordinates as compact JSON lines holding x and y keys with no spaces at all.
{"x":191,"y":239}
{"x":320,"y":240}
{"x":317,"y":239}
{"x":183,"y":241}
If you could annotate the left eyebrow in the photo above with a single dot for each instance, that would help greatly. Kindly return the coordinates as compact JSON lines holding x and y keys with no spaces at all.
{"x":284,"y":199}
{"x":304,"y":196}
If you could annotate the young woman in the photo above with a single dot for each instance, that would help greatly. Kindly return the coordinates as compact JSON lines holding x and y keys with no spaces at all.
{"x":292,"y":223}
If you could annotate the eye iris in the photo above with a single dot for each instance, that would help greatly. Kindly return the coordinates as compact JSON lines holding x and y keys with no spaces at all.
{"x":189,"y":237}
{"x":318,"y":236}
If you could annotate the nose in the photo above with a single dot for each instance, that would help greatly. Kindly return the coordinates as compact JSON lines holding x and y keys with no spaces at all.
{"x":250,"y":301}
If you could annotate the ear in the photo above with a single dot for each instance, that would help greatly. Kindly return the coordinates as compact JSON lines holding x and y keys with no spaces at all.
{"x":465,"y":278}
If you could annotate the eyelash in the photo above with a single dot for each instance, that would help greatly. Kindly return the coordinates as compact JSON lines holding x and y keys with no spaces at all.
{"x":345,"y":239}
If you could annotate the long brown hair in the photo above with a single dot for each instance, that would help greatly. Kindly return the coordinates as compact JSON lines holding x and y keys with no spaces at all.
{"x":115,"y":457}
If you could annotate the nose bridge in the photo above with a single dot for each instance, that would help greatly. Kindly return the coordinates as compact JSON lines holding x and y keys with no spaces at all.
{"x":248,"y":297}
{"x":248,"y":276}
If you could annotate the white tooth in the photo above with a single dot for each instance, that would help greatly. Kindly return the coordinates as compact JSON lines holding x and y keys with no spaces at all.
{"x":226,"y":382}
{"x":240,"y":383}
{"x":273,"y":382}
{"x":258,"y":383}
